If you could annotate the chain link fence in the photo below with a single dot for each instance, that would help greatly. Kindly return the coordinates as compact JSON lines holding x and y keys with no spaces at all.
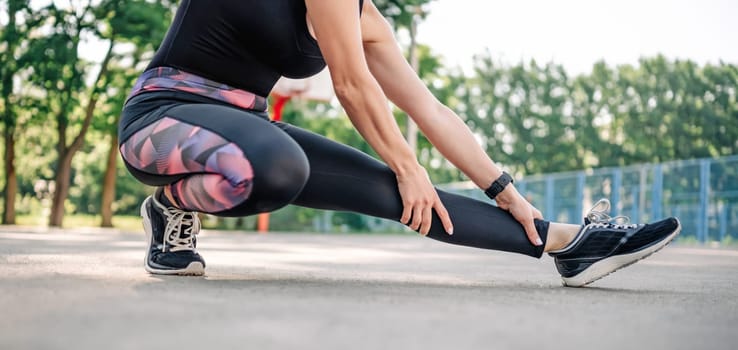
{"x":702,"y":193}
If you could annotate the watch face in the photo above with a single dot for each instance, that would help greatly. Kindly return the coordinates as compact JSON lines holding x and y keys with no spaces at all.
{"x":506,"y":178}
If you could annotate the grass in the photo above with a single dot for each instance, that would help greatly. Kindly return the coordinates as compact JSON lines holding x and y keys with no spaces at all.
{"x":125,"y":223}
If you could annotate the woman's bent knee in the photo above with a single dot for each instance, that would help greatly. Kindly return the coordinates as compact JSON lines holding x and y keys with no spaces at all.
{"x":281,"y":172}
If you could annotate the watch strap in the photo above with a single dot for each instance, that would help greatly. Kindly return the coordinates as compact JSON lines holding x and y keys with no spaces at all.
{"x":499,"y":185}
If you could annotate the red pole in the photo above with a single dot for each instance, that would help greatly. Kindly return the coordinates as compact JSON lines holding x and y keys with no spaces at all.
{"x":279,"y":103}
{"x":262,"y":220}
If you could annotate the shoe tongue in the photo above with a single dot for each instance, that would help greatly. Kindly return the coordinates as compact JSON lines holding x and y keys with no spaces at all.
{"x":183,"y":231}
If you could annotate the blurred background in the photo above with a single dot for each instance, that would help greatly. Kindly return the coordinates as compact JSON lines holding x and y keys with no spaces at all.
{"x":628,"y":100}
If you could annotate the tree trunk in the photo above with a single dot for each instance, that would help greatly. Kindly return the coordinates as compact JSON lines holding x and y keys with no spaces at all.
{"x":66,"y":154}
{"x":108,"y":192}
{"x":8,"y":70}
{"x":61,"y":189}
{"x":11,"y":181}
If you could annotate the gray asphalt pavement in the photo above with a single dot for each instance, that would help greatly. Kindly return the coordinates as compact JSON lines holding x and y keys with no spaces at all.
{"x":86,"y":289}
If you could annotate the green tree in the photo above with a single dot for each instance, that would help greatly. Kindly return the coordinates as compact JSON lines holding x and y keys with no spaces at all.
{"x":536,"y":119}
{"x":12,"y":39}
{"x":60,"y":72}
{"x":675,"y":110}
{"x":593,"y":96}
{"x":142,"y":24}
{"x":525,"y":115}
{"x":402,"y":13}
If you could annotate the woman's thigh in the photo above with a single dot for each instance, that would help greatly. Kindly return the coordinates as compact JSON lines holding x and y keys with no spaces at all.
{"x":232,"y":154}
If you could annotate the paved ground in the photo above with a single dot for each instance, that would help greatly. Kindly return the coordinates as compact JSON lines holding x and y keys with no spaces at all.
{"x":88,"y":290}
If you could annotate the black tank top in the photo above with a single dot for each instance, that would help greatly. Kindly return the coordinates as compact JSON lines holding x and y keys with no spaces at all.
{"x":247,"y":44}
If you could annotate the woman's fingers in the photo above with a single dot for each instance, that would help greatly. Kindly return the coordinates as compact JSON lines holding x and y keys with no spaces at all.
{"x":443,"y":215}
{"x":407,"y":213}
{"x":420,"y":217}
{"x":526,"y":219}
{"x":426,"y":225}
{"x":537,"y":214}
{"x":525,"y":213}
{"x":417,"y":218}
{"x":531,"y":232}
{"x":419,"y":199}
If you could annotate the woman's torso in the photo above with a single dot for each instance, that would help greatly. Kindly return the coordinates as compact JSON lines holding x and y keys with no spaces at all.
{"x":247,"y":44}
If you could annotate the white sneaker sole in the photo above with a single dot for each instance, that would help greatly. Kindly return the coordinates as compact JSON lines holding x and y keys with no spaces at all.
{"x":193,"y":269}
{"x":609,"y":265}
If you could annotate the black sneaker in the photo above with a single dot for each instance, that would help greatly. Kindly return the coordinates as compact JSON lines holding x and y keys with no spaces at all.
{"x":605,"y":245}
{"x":170,"y":233}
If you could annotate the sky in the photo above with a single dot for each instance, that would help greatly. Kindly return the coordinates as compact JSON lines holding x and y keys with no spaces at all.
{"x":574,"y":33}
{"x":577,"y":33}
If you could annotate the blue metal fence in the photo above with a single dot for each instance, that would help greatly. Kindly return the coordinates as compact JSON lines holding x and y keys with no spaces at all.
{"x":702,"y":193}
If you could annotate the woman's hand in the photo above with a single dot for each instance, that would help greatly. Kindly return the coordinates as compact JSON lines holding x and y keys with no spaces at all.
{"x":511,"y":200}
{"x":419,"y":197}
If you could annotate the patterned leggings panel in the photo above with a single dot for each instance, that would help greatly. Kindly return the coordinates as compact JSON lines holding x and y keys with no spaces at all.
{"x":220,"y":177}
{"x":171,"y":79}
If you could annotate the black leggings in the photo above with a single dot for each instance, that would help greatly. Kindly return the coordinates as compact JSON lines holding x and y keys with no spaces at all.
{"x":228,"y":161}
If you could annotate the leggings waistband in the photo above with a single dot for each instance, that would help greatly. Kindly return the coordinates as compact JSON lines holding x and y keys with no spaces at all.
{"x":171,"y":79}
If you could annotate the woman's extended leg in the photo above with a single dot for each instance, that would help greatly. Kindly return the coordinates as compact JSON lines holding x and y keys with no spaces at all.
{"x":342,"y":178}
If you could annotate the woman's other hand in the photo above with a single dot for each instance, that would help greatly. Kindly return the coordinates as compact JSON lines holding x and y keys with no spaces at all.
{"x":511,"y":200}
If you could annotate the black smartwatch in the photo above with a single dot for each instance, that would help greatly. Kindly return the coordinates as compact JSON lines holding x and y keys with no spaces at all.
{"x":499,"y":185}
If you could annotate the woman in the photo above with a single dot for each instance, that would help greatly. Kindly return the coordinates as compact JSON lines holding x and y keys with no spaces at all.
{"x":196,"y":126}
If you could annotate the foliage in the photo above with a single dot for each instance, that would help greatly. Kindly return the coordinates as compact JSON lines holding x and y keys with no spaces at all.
{"x":536,"y":119}
{"x":531,"y":117}
{"x":21,"y":22}
{"x":400,"y":12}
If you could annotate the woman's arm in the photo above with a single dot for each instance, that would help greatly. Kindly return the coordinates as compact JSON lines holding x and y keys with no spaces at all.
{"x":338,"y":31}
{"x":445,"y":130}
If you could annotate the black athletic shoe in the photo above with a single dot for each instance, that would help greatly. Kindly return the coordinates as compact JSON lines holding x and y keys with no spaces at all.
{"x":170,"y":233}
{"x":606,"y":244}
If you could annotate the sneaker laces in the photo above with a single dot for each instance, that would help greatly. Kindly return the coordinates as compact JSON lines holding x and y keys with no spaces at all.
{"x":174,"y":234}
{"x":600,"y":217}
{"x":182,"y":226}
